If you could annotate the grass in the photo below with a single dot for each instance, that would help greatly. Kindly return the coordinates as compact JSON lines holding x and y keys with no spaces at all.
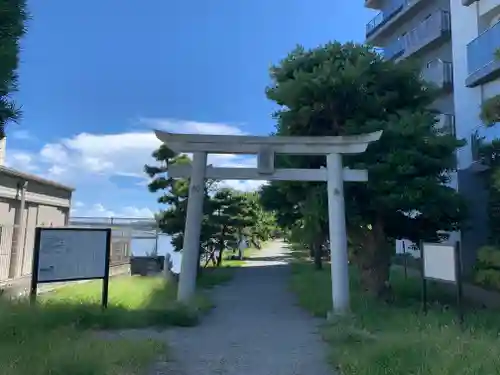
{"x":398,"y":338}
{"x":57,"y":336}
{"x":66,"y":350}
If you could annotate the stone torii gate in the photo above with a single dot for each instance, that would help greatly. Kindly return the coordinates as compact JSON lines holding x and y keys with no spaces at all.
{"x":266,"y":148}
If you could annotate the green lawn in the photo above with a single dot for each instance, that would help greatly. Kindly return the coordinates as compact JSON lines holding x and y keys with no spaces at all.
{"x":56,"y":338}
{"x":398,"y":339}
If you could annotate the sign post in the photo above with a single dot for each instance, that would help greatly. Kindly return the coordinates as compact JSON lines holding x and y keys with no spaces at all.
{"x":71,"y":254}
{"x":442,"y":263}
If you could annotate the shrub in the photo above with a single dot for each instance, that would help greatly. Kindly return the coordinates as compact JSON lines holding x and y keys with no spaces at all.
{"x":490,"y":111}
{"x":488,"y":267}
{"x":488,"y":257}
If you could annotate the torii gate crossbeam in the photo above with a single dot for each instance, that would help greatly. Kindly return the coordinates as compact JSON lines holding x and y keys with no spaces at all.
{"x":266,"y":148}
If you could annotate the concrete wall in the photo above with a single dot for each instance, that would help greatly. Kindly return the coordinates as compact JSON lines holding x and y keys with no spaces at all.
{"x":45,"y":205}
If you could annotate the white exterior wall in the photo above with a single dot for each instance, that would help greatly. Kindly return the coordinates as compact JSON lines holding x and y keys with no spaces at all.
{"x":464,"y":28}
{"x":467,"y":24}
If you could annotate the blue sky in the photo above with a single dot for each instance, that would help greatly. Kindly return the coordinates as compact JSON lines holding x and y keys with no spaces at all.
{"x":97,"y":76}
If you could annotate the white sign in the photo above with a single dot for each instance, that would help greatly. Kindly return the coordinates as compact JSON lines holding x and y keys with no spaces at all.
{"x":439,"y":262}
{"x":72,"y":254}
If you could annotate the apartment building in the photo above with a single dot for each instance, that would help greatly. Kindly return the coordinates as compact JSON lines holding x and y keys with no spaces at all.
{"x":475,"y":26}
{"x":420,"y":30}
{"x":455,"y":42}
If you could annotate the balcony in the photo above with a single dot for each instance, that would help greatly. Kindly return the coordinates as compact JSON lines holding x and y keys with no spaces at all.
{"x":480,"y":137}
{"x":446,"y":123}
{"x":383,"y":17}
{"x":394,"y":49}
{"x":440,"y":73}
{"x":390,"y":17}
{"x":468,"y":2}
{"x":431,"y":31}
{"x":434,"y":29}
{"x":483,"y":65}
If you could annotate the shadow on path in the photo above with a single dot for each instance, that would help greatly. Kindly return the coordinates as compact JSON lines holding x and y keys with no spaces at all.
{"x":269,"y":258}
{"x":255,"y":329}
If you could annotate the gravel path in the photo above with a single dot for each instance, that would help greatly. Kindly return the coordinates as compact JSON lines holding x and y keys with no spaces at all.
{"x":255,"y":329}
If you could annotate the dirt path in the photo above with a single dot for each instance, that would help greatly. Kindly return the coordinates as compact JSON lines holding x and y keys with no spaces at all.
{"x":256,"y":328}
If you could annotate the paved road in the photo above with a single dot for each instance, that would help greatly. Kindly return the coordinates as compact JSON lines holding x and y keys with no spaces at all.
{"x":256,"y":328}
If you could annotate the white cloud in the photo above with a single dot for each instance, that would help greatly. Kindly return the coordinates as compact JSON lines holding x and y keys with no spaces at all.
{"x":90,"y":161}
{"x":20,"y":160}
{"x":98,"y":157}
{"x":122,"y":154}
{"x":191,"y":127}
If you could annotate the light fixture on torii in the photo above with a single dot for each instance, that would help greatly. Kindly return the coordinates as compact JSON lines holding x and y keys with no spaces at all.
{"x":266,"y":148}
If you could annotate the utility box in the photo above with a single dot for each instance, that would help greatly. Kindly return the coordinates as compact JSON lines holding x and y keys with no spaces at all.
{"x":147,"y":265}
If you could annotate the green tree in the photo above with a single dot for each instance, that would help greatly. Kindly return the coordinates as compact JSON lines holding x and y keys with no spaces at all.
{"x":12,"y":27}
{"x":345,"y":89}
{"x":236,"y":215}
{"x":175,"y":194}
{"x":228,"y":214}
{"x":227,"y":218}
{"x":257,"y":225}
{"x":489,"y":154}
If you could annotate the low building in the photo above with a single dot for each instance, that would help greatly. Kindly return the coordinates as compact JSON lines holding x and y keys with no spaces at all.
{"x":27,"y":201}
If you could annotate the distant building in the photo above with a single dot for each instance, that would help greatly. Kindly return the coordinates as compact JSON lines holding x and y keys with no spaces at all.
{"x":27,"y":201}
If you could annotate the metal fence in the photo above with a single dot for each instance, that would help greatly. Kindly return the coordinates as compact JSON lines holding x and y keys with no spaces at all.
{"x":126,"y":232}
{"x":16,"y":249}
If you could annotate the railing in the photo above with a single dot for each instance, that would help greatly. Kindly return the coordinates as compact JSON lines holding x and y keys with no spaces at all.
{"x":439,"y":72}
{"x":424,"y":33}
{"x":142,"y":223}
{"x":448,"y":124}
{"x":394,"y":49}
{"x":428,"y":30}
{"x":480,"y":136}
{"x":481,"y":51}
{"x":378,"y":20}
{"x":387,"y":14}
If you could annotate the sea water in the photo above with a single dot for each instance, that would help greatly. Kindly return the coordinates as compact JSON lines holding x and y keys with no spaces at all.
{"x":142,"y":247}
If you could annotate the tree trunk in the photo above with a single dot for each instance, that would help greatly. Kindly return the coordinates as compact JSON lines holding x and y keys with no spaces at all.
{"x":311,"y":250}
{"x":200,"y":267}
{"x":221,"y":246}
{"x":374,"y":262}
{"x":318,"y":255}
{"x":221,"y":251}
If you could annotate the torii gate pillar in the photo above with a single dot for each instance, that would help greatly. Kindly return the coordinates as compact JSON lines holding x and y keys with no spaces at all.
{"x":194,"y":217}
{"x":338,"y":234}
{"x":266,"y":148}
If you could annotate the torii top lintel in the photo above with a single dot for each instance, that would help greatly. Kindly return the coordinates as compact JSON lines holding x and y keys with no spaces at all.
{"x":244,"y":144}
